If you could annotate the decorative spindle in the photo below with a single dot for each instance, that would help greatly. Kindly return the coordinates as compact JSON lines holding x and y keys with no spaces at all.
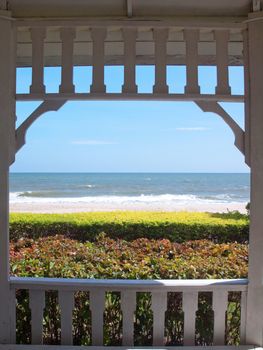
{"x":97,"y":304}
{"x":129,"y":37}
{"x":67,"y":36}
{"x":159,"y":305}
{"x":220,"y":300}
{"x":191,"y":37}
{"x":98,"y":36}
{"x":36,"y":304}
{"x":190,"y":306}
{"x":38,"y":35}
{"x":243,"y":317}
{"x":221,"y":38}
{"x":160,"y":36}
{"x":128,"y":307}
{"x":13,"y":302}
{"x":66,"y":303}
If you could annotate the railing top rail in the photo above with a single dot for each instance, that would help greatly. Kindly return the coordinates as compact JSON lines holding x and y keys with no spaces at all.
{"x":215,"y":22}
{"x":118,"y":285}
{"x":130,"y":97}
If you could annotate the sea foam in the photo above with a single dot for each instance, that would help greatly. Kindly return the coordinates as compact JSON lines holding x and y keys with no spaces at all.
{"x":35,"y":197}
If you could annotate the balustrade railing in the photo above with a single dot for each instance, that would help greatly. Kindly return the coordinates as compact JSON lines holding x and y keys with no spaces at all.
{"x":129,"y":46}
{"x":128,"y":289}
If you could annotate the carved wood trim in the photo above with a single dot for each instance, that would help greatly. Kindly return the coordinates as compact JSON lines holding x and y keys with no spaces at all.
{"x":46,"y":106}
{"x":239,"y":133}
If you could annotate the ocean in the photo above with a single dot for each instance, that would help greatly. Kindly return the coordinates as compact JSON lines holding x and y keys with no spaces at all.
{"x":129,"y":188}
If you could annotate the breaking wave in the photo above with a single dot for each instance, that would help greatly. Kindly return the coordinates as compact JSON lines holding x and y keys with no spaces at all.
{"x":51,"y":197}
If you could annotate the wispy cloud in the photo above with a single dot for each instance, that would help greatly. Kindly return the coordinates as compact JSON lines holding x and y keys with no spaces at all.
{"x":93,"y":142}
{"x":194,"y":128}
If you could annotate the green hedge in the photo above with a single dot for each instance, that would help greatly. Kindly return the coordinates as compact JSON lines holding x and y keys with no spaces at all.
{"x":176,"y":226}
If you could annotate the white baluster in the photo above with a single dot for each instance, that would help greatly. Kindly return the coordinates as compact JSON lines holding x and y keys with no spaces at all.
{"x":13,"y":302}
{"x":97,"y":303}
{"x":38,"y":35}
{"x":159,"y":305}
{"x":160,"y":36}
{"x":191,"y":37}
{"x":128,"y":307}
{"x":221,"y":38}
{"x":36,"y":304}
{"x":220,"y":301}
{"x":190,"y":306}
{"x":98,"y":36}
{"x":243,"y":309}
{"x":66,"y":303}
{"x":67,"y":36}
{"x":129,"y":38}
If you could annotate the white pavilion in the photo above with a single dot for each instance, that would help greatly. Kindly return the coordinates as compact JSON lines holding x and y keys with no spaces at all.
{"x":99,"y":33}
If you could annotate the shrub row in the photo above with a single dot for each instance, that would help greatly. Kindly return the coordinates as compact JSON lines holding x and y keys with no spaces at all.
{"x":142,"y":258}
{"x":139,"y":259}
{"x":178,"y":227}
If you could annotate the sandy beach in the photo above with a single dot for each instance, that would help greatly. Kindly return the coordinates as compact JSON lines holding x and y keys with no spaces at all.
{"x":69,"y":207}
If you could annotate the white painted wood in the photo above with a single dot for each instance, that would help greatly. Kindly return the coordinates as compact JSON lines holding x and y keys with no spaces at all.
{"x":45,"y":106}
{"x":129,"y":8}
{"x":67,"y":36}
{"x":38,"y":35}
{"x":243,"y":317}
{"x":214,"y":107}
{"x":3,"y":4}
{"x":144,"y":56}
{"x":221,"y":38}
{"x":159,"y":305}
{"x":130,"y":97}
{"x":5,"y":305}
{"x":191,"y":37}
{"x":190,"y":306}
{"x":128,"y":289}
{"x":198,"y":22}
{"x":129,"y":37}
{"x":254,"y":324}
{"x":97,"y":304}
{"x":98,"y":36}
{"x":66,"y":303}
{"x":256,"y":5}
{"x":36,"y":304}
{"x":44,"y":283}
{"x":13,"y":302}
{"x":160,"y":36}
{"x":75,"y":347}
{"x":128,"y":307}
{"x":7,"y":156}
{"x":246,"y":89}
{"x":114,"y":43}
{"x":220,"y":301}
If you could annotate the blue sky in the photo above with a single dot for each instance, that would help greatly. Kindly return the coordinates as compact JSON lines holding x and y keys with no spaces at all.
{"x":130,"y":136}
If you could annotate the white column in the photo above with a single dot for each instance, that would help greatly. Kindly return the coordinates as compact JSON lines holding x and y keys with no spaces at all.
{"x":7,"y":143}
{"x":254,"y":324}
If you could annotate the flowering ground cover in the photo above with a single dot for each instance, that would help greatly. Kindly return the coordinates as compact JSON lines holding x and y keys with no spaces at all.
{"x":59,"y":256}
{"x":142,"y":258}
